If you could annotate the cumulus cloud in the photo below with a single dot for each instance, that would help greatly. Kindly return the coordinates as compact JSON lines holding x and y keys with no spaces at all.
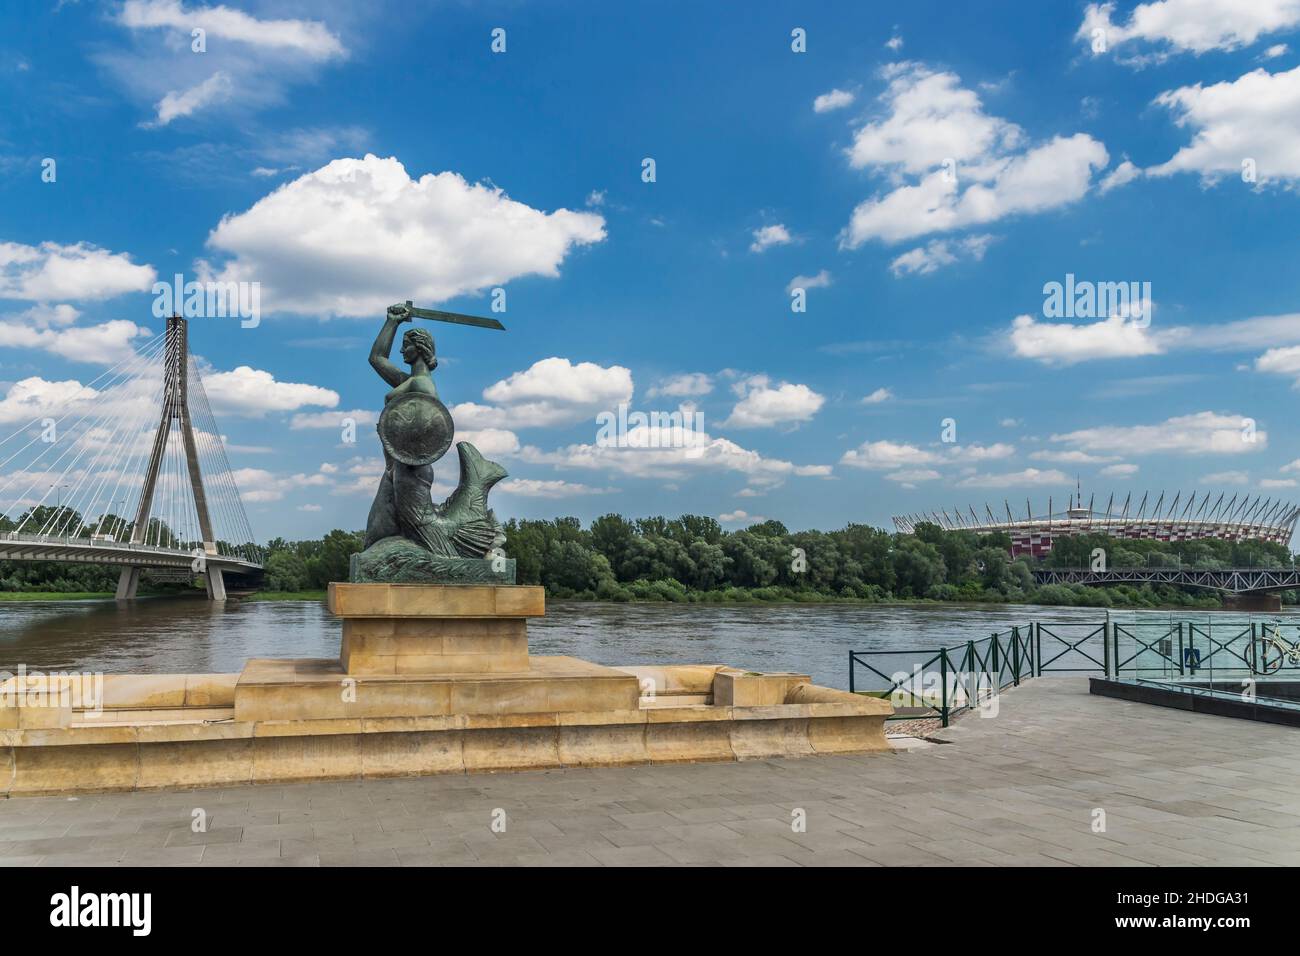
{"x":834,"y":100}
{"x":77,"y":272}
{"x":1122,"y":470}
{"x":819,"y":281}
{"x":733,"y":517}
{"x":960,"y":166}
{"x":1121,"y":175}
{"x":259,"y":485}
{"x":878,"y":396}
{"x":1226,"y":478}
{"x":941,"y":252}
{"x":554,"y":488}
{"x":254,"y":392}
{"x":671,"y":452}
{"x":338,"y":240}
{"x":1201,"y":433}
{"x":552,"y":391}
{"x":762,"y":404}
{"x":107,"y":343}
{"x":685,"y":385}
{"x":1249,"y":119}
{"x":178,"y":103}
{"x":885,"y":455}
{"x":32,"y":398}
{"x":1187,"y":26}
{"x":1025,"y":478}
{"x":332,"y":419}
{"x":1064,"y":343}
{"x":768,"y":236}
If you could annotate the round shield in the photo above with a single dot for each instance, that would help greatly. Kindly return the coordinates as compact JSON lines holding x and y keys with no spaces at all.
{"x":416,"y":428}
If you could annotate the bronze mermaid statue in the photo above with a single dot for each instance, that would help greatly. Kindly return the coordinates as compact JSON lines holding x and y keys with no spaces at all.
{"x":415,"y":430}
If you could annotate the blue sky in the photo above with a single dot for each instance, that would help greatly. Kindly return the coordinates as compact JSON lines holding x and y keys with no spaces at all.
{"x":921,"y":170}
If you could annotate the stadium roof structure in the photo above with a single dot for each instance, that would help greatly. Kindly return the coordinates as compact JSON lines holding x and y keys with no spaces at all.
{"x":1239,"y":518}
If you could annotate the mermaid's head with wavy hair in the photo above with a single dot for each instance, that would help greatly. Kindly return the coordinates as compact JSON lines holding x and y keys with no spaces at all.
{"x":418,"y":344}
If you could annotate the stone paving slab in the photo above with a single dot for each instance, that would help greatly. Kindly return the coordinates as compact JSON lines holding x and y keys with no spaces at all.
{"x":1028,"y":787}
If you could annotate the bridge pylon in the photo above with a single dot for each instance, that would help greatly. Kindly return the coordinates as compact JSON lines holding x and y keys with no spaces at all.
{"x":175,"y":408}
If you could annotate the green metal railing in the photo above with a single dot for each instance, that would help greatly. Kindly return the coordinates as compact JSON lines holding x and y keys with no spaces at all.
{"x":966,"y":674}
{"x":944,"y":681}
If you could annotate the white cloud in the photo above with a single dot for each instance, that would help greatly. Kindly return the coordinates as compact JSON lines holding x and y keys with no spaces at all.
{"x":669,"y":453}
{"x":1201,"y":433}
{"x":820,"y":281}
{"x":338,"y":240}
{"x":332,"y":419}
{"x":34,"y":397}
{"x":1121,"y":175}
{"x":769,"y":236}
{"x":537,"y":488}
{"x":886,"y":455}
{"x":878,"y":396}
{"x":940,"y":252}
{"x":1026,"y":478}
{"x":1070,"y":457}
{"x":1276,"y":50}
{"x":312,"y":508}
{"x":992,"y":172}
{"x":1277,"y":482}
{"x":1124,"y":470}
{"x":1282,"y":361}
{"x":1063,"y":343}
{"x":174,"y":105}
{"x":1252,"y":118}
{"x":254,"y":392}
{"x":307,"y":37}
{"x":834,"y":100}
{"x":732,"y":517}
{"x":107,"y":343}
{"x":552,"y":391}
{"x":910,"y":476}
{"x":894,"y":43}
{"x":762,"y":405}
{"x":1195,"y":26}
{"x":685,"y":385}
{"x":492,"y":442}
{"x":1226,"y":478}
{"x":77,"y":272}
{"x":260,"y":485}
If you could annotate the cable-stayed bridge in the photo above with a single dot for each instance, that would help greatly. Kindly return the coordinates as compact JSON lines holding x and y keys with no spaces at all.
{"x":128,"y":470}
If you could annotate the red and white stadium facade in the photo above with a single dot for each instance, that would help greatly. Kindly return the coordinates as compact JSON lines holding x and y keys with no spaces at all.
{"x":1250,"y":519}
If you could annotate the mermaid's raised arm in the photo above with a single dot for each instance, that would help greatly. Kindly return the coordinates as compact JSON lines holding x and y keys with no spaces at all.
{"x":390,"y":373}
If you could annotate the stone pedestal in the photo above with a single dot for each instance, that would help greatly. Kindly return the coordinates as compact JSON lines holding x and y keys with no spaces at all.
{"x":432,"y":629}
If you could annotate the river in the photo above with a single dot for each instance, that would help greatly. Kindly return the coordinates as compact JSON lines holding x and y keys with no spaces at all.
{"x":170,"y":635}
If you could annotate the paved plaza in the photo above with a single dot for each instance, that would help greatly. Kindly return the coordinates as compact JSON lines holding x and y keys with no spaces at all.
{"x":1025,"y":787}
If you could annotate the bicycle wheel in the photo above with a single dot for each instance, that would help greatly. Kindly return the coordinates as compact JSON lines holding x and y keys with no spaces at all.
{"x":1263,"y":656}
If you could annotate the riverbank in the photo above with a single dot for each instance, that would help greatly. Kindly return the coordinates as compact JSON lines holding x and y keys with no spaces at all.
{"x":777,"y":596}
{"x":20,"y":596}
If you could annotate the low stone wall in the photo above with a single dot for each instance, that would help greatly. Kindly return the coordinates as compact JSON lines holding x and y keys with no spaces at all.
{"x":160,"y":748}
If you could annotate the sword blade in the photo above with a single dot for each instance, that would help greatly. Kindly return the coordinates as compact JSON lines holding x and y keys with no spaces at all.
{"x":437,"y":315}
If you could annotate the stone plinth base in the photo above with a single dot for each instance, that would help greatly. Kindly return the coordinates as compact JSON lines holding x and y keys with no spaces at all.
{"x":410,"y":629}
{"x":315,"y":689}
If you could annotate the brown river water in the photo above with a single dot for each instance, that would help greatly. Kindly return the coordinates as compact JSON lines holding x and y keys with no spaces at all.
{"x":179,"y":635}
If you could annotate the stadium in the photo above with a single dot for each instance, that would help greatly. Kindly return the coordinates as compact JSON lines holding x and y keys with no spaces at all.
{"x":1239,"y":518}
